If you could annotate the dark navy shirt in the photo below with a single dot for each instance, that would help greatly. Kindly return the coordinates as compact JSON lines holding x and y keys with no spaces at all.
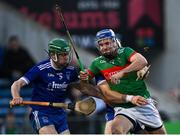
{"x":49,"y":84}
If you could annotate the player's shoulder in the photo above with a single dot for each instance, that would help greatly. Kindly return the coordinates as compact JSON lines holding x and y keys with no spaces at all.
{"x":128,"y":48}
{"x":123,"y":49}
{"x":97,"y":59}
{"x":44,"y":64}
{"x":70,"y":67}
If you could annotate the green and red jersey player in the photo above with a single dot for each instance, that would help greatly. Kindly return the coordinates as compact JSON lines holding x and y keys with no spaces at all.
{"x":119,"y":66}
{"x":128,"y":83}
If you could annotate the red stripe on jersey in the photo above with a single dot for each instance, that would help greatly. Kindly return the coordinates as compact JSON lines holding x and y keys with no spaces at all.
{"x":131,"y":56}
{"x":90,"y":73}
{"x":107,"y":73}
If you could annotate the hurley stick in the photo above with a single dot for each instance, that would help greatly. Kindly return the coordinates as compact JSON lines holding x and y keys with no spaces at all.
{"x":86,"y":106}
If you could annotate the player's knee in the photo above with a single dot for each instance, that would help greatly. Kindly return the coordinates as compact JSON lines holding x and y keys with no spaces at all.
{"x":162,"y":130}
{"x":42,"y":130}
{"x":108,"y":131}
{"x":108,"y":127}
{"x":117,"y":129}
{"x":67,"y":132}
{"x":47,"y":130}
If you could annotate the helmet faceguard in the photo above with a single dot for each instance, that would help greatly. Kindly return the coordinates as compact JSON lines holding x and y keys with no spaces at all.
{"x":57,"y":47}
{"x":107,"y":43}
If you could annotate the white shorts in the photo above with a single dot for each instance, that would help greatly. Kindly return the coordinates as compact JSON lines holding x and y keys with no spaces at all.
{"x":146,"y":116}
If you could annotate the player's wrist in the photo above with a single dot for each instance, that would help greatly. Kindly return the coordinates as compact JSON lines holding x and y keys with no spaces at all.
{"x":129,"y":98}
{"x":17,"y":97}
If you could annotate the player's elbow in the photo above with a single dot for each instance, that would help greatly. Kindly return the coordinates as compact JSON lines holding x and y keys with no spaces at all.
{"x":141,"y":59}
{"x":142,"y":62}
{"x":14,"y":84}
{"x":145,"y":62}
{"x":18,"y":84}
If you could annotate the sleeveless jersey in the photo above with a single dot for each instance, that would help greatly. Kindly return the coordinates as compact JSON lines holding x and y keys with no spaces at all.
{"x":128,"y":84}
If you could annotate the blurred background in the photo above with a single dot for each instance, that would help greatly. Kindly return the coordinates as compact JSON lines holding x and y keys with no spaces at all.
{"x":151,"y":27}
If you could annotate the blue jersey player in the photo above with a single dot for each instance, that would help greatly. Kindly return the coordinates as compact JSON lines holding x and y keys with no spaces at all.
{"x":50,"y":79}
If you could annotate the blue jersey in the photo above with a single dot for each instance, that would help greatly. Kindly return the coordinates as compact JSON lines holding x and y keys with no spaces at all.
{"x":49,"y":84}
{"x":99,"y":79}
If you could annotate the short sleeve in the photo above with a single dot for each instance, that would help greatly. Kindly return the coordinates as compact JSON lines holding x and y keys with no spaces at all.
{"x":129,"y":52}
{"x":31,"y":75}
{"x":99,"y":79}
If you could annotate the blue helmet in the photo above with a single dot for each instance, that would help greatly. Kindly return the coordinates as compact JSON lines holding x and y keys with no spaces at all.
{"x":104,"y":34}
{"x":110,"y":49}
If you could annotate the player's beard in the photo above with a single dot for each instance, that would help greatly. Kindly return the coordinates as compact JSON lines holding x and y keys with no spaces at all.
{"x":110,"y":55}
{"x":111,"y":52}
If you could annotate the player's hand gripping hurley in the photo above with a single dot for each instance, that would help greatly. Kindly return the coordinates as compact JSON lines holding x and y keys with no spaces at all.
{"x":59,"y":12}
{"x":86,"y":106}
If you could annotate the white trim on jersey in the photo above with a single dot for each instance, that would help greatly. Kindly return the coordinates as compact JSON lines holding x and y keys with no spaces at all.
{"x":25,"y":79}
{"x":70,"y":67}
{"x":44,"y":66}
{"x":100,"y":82}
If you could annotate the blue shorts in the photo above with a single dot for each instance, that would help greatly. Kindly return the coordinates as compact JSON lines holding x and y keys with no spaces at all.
{"x":109,"y":113}
{"x":41,"y":119}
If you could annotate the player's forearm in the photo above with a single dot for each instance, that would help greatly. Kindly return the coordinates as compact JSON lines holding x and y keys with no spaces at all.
{"x":136,"y":65}
{"x":115,"y":97}
{"x":87,"y":89}
{"x":15,"y":88}
{"x":90,"y":90}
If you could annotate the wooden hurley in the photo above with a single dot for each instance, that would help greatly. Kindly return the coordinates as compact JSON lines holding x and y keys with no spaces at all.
{"x":86,"y":106}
